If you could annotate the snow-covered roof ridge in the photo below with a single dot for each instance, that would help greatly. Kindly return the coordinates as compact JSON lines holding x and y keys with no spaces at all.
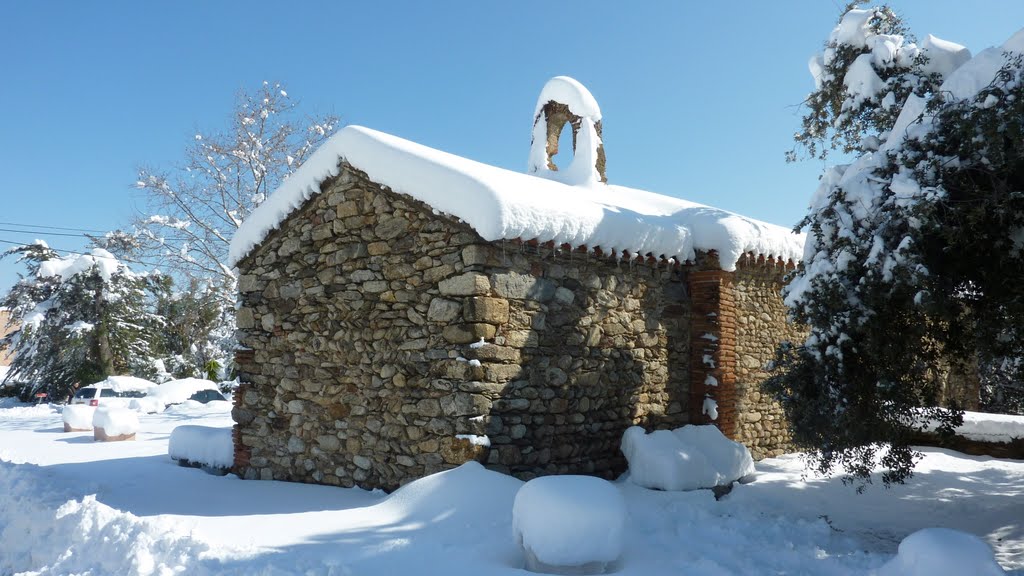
{"x":502,"y":204}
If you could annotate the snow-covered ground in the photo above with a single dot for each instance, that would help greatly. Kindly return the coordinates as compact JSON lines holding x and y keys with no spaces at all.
{"x":72,"y":505}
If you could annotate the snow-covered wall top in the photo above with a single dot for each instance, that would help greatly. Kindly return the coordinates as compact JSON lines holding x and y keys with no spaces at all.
{"x":501,"y":204}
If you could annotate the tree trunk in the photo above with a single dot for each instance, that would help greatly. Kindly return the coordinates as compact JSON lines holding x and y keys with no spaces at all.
{"x":106,"y":357}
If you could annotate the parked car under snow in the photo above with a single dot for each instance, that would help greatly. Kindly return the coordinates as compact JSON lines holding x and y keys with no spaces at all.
{"x":173,"y":392}
{"x":114,"y":391}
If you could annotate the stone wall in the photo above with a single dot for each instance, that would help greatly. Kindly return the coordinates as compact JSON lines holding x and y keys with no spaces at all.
{"x":361,"y":313}
{"x":761,"y":324}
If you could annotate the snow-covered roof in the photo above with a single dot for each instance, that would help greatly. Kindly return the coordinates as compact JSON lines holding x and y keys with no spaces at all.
{"x":502,"y":204}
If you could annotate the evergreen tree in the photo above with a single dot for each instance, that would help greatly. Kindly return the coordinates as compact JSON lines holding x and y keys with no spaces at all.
{"x":80,"y":319}
{"x":195,"y":332}
{"x":913,"y":267}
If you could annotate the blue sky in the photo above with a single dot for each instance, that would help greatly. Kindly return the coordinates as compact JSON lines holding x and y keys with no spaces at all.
{"x":700,"y":100}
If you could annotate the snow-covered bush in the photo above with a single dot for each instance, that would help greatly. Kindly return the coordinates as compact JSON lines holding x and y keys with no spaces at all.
{"x":569,"y":524}
{"x":942,"y":552}
{"x":202,"y":445}
{"x":687,"y":458}
{"x":77,"y":417}
{"x":109,"y":422}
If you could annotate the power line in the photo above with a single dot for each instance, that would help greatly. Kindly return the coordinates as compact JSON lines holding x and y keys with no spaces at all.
{"x":129,"y":260}
{"x":47,"y":233}
{"x":51,"y":227}
{"x":81,"y":235}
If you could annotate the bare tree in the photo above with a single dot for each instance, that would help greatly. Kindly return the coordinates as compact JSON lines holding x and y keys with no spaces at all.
{"x":193,"y":210}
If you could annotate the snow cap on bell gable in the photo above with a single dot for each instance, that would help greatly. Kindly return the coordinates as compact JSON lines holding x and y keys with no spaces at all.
{"x":573,"y":206}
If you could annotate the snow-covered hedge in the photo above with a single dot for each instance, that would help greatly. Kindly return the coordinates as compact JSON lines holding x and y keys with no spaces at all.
{"x":942,"y":552}
{"x":686,"y":458}
{"x":569,"y":522}
{"x":77,"y":417}
{"x":116,"y":421}
{"x":202,"y":445}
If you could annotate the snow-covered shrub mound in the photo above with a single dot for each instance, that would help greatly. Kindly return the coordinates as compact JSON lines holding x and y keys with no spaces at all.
{"x":942,"y":552}
{"x":203,"y":445}
{"x":459,"y":496}
{"x":114,"y":423}
{"x":686,"y":458}
{"x":78,"y":417}
{"x":569,"y":524}
{"x":177,"y":391}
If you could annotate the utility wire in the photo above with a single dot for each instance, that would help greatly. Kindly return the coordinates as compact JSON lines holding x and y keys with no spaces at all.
{"x":80,"y":235}
{"x":51,"y":227}
{"x":79,"y":253}
{"x":46,"y":233}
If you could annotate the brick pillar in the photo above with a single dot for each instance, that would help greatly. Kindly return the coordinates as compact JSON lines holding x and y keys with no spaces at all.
{"x":243,"y":360}
{"x":713,"y":348}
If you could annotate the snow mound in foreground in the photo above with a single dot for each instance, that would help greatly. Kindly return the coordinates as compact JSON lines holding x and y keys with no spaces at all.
{"x":42,"y":536}
{"x":202,"y":445}
{"x":942,"y":552}
{"x":459,"y":496}
{"x":569,"y":521}
{"x":687,"y":458}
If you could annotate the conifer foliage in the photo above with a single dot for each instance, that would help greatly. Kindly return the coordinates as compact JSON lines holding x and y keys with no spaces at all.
{"x":80,"y":318}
